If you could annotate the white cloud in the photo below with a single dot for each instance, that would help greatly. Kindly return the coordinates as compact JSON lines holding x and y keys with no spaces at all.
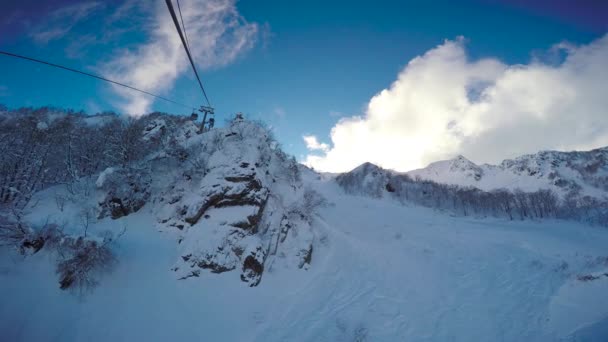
{"x":217,"y":35}
{"x":313,"y":144}
{"x":61,"y":21}
{"x":111,"y":24}
{"x":443,"y":104}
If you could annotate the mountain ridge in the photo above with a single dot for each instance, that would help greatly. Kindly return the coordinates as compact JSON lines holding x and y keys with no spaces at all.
{"x":576,"y":172}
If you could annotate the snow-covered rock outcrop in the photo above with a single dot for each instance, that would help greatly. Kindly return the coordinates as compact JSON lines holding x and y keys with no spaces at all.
{"x":124,"y":191}
{"x":234,"y":204}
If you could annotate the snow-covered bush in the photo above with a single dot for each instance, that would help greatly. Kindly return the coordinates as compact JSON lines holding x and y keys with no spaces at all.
{"x":13,"y":232}
{"x":175,"y":150}
{"x":360,"y":333}
{"x":311,"y":201}
{"x":72,"y":147}
{"x":82,"y":262}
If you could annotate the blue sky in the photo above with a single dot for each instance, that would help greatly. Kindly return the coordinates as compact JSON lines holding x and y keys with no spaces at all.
{"x":302,"y":67}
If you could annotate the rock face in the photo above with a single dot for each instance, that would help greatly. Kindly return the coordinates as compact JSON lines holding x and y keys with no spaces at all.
{"x":125,"y":191}
{"x":227,"y":211}
{"x":242,"y":190}
{"x":229,"y":208}
{"x":233,"y":200}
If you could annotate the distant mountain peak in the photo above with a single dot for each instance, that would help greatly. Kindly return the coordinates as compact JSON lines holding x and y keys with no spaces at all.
{"x":563,"y":172}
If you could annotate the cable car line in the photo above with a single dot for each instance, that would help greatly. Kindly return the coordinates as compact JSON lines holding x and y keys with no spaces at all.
{"x":179,"y":9}
{"x":92,"y":75}
{"x":181,"y":36}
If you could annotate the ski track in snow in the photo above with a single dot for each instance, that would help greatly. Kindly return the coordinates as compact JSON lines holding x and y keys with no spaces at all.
{"x":379,"y":270}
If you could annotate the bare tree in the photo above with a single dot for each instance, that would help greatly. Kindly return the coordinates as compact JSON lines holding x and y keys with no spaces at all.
{"x":505,"y":201}
{"x":83,"y":261}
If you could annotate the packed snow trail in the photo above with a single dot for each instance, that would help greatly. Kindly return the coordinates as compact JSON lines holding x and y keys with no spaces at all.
{"x":380,"y":271}
{"x":410,"y":274}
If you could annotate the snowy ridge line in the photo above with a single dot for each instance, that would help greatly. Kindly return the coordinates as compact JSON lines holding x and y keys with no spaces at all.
{"x":466,"y":199}
{"x":577,"y":173}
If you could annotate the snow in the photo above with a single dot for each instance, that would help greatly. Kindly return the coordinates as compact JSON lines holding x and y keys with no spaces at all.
{"x":491,"y":177}
{"x":528,"y":173}
{"x":154,"y":129}
{"x":98,"y":120}
{"x":103,"y":175}
{"x":379,"y":269}
{"x":581,"y":301}
{"x":41,"y":125}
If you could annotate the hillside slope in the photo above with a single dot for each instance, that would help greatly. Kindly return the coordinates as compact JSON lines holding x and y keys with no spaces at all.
{"x":380,"y":272}
{"x":220,"y":236}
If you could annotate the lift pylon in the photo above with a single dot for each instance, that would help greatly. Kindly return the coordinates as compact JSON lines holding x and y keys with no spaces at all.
{"x":207,"y":125}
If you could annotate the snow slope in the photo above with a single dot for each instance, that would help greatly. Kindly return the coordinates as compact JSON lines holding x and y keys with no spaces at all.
{"x":359,"y":268}
{"x":380,"y":272}
{"x":580,"y":172}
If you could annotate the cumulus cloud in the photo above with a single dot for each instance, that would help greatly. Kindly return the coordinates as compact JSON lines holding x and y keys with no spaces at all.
{"x":217,"y":35}
{"x":314,"y":145}
{"x":443,"y":104}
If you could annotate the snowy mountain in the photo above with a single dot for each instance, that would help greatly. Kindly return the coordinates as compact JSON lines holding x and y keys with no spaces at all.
{"x":238,"y":204}
{"x":563,"y":185}
{"x":152,"y":230}
{"x":231,"y":198}
{"x":577,"y":173}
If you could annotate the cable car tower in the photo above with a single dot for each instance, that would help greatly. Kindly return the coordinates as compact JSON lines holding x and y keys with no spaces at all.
{"x":207,"y":125}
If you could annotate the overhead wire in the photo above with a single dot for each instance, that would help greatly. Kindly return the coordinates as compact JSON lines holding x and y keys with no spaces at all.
{"x":179,"y":9}
{"x":92,"y":75}
{"x":181,"y":36}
